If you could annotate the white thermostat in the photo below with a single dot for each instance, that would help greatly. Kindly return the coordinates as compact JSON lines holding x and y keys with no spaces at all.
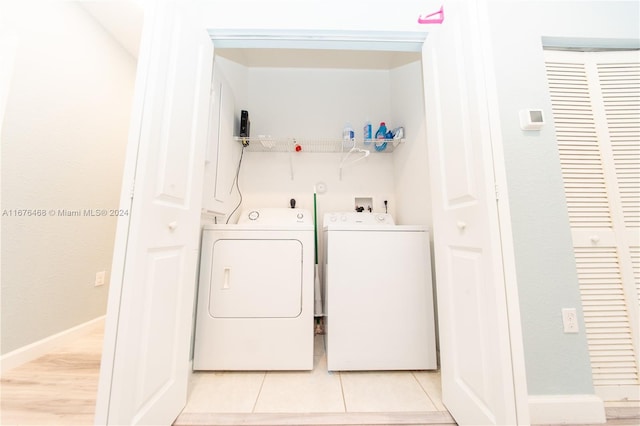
{"x":531,"y":119}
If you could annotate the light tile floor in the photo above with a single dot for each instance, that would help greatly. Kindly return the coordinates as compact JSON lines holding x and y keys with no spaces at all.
{"x":316,"y":391}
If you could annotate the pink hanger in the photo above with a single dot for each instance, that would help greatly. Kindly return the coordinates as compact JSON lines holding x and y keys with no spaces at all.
{"x":429,"y":18}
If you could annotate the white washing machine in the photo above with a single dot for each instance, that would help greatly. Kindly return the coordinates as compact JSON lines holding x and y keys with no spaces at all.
{"x":255,"y":295}
{"x":378,"y":294}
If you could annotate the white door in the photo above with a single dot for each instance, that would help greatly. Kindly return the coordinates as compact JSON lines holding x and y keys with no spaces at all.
{"x":481,"y":358}
{"x":145,"y":364}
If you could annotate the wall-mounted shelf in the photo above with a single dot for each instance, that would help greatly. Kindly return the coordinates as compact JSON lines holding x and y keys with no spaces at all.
{"x":260,"y":144}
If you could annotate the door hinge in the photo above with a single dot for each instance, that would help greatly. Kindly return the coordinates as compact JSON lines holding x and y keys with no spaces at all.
{"x":132,"y":190}
{"x":497,"y":192}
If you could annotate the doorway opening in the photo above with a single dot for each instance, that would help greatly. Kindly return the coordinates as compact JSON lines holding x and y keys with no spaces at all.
{"x":309,"y":94}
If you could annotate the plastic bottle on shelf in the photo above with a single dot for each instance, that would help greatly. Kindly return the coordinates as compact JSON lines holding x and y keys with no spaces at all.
{"x":368,"y":132}
{"x":348,"y":136}
{"x":381,"y":136}
{"x":382,"y":131}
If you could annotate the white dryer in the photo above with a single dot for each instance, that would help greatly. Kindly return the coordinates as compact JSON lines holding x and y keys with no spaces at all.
{"x":378,"y":294}
{"x":255,"y":295}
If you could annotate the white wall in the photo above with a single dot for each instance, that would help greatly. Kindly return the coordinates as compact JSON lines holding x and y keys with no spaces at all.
{"x":322,"y":15}
{"x":63,"y":140}
{"x":556,"y":363}
{"x":314,"y":103}
{"x":411,"y":172}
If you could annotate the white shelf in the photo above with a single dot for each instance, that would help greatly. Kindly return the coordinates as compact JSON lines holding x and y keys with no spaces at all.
{"x":258,"y":144}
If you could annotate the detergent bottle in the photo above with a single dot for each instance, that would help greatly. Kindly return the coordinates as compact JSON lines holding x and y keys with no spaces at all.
{"x":382,"y":131}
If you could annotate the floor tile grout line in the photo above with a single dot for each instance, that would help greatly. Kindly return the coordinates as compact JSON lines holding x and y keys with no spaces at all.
{"x":344,"y":400}
{"x":255,"y":403}
{"x":413,"y":373}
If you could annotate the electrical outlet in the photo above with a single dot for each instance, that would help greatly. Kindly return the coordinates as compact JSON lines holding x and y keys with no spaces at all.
{"x":570,"y":320}
{"x":100,"y":277}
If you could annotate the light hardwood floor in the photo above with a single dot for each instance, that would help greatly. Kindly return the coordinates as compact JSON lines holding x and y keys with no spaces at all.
{"x":56,"y":389}
{"x":60,"y":389}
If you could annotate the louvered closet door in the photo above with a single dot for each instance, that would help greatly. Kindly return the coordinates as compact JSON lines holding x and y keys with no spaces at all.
{"x":596,"y":110}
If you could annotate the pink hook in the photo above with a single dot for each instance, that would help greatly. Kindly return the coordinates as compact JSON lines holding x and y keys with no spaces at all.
{"x":429,"y":19}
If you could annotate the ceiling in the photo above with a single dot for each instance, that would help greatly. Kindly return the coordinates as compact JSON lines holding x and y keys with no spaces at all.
{"x":319,"y":58}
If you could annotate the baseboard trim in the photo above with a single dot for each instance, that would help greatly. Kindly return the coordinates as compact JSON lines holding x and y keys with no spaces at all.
{"x":37,"y":349}
{"x":432,"y":418}
{"x":566,"y":409}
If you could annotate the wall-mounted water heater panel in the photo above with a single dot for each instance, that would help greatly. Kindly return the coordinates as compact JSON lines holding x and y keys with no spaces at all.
{"x":531,"y":119}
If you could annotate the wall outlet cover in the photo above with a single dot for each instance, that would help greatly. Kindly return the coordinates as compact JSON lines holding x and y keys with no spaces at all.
{"x":570,"y":320}
{"x":100,"y":278}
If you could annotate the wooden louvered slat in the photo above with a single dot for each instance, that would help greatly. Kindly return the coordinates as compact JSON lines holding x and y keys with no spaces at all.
{"x":609,"y":356}
{"x":612,"y":340}
{"x":620,"y":85}
{"x":635,"y":263}
{"x":607,"y":321}
{"x":613,"y":365}
{"x":582,"y":174}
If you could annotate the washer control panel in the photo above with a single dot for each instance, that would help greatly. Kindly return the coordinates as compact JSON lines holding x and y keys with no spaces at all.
{"x":275,"y":216}
{"x":356,"y":218}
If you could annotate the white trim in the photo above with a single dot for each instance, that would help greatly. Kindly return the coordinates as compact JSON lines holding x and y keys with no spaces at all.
{"x":566,"y":409}
{"x":401,"y":41}
{"x":619,"y":392}
{"x":300,"y":419}
{"x":37,"y":349}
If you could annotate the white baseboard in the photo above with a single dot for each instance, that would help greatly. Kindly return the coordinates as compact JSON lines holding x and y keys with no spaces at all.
{"x":566,"y":409}
{"x":37,"y":349}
